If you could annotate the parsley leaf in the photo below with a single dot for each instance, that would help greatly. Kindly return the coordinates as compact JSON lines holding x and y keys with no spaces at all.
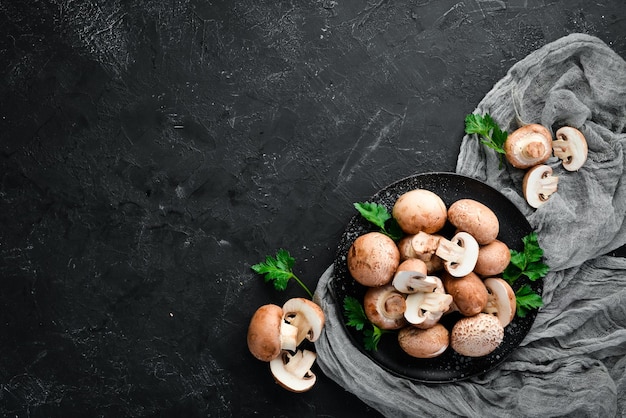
{"x":527,"y":300}
{"x":355,"y":317}
{"x":527,"y":262}
{"x":279,"y":270}
{"x":378,"y":215}
{"x":488,"y":132}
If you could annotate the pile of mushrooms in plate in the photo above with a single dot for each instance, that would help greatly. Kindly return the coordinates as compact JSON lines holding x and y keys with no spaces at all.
{"x":530,"y":146}
{"x":413,"y":283}
{"x":275,"y":335}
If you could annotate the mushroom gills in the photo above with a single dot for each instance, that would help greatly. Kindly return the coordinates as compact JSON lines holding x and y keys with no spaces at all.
{"x":570,"y":146}
{"x":460,"y":254}
{"x":413,"y":281}
{"x":306,"y":316}
{"x":293,"y":371}
{"x":539,"y":184}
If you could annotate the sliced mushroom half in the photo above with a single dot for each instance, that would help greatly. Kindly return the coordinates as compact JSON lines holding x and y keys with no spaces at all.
{"x":538,"y":185}
{"x":570,"y":146}
{"x":306,"y":316}
{"x":424,"y":309}
{"x":459,"y":254}
{"x":501,"y":301}
{"x":293,"y":371}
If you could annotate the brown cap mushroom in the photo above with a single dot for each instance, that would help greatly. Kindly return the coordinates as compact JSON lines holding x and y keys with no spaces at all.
{"x":373,"y":259}
{"x":384,"y":306}
{"x":306,"y":316}
{"x":538,"y":185}
{"x":420,"y":210}
{"x":501,"y":302}
{"x":459,"y":254}
{"x":468,"y":292}
{"x":493,"y":258}
{"x":571,"y":147}
{"x":424,"y":343}
{"x":477,"y":335}
{"x":528,"y":146}
{"x":268,"y":334}
{"x":293,"y":371}
{"x":475,"y":218}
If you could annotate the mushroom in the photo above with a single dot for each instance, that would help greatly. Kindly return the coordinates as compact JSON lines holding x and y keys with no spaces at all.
{"x":373,"y":259}
{"x":306,"y":316}
{"x":423,"y":247}
{"x":420,"y":210}
{"x":424,"y":309}
{"x":528,"y":146}
{"x":459,"y":254}
{"x":293,"y":371}
{"x":570,"y":146}
{"x":538,"y":185}
{"x":475,"y":218}
{"x":424,"y":343}
{"x":268,"y":333}
{"x":501,"y":301}
{"x":477,"y":335}
{"x":384,"y":306}
{"x":469,"y":293}
{"x":410,"y":277}
{"x":493,"y":258}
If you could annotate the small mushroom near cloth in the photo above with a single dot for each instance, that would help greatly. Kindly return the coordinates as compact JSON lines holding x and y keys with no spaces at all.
{"x":424,"y":343}
{"x":570,"y":146}
{"x":293,"y":371}
{"x":476,"y":336}
{"x":538,"y":185}
{"x":528,"y":146}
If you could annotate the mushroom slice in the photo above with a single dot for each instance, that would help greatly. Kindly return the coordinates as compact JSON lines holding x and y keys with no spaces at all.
{"x":501,"y":301}
{"x":306,"y":316}
{"x":424,"y":309}
{"x":293,"y":371}
{"x":420,"y":245}
{"x":538,"y":185}
{"x":268,"y":334}
{"x":384,"y":306}
{"x":413,"y":281}
{"x":528,"y":146}
{"x":571,"y":147}
{"x":460,"y":254}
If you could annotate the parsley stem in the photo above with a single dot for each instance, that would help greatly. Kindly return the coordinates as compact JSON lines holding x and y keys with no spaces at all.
{"x":306,"y":289}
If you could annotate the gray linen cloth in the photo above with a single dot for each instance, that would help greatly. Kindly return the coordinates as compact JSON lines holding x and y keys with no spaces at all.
{"x":573,"y":360}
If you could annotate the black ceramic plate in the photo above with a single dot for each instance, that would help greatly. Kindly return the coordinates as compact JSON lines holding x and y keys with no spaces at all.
{"x":450,"y":366}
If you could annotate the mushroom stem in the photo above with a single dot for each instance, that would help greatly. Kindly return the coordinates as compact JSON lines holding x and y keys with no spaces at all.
{"x":288,"y":336}
{"x":450,"y":251}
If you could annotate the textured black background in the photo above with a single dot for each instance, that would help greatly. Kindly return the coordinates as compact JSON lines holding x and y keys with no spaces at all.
{"x":152,"y":151}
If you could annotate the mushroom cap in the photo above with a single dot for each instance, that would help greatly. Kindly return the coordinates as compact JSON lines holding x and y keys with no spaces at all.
{"x":571,"y":147}
{"x":420,"y":210}
{"x":469,"y":293}
{"x":475,"y":218}
{"x":424,"y":343}
{"x":293,"y":371}
{"x":539,"y":184}
{"x":459,"y":254}
{"x":528,"y":146}
{"x":373,"y":259}
{"x":264,"y":339}
{"x":306,"y":316}
{"x":502,"y":302}
{"x":493,"y":258}
{"x":384,"y":306}
{"x":477,"y":335}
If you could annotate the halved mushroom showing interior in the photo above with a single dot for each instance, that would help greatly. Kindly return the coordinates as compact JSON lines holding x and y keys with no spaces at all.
{"x":269,"y":334}
{"x":459,"y":254}
{"x":538,"y":185}
{"x":570,"y":146}
{"x":424,"y":309}
{"x":384,"y":306}
{"x":501,"y":301}
{"x":528,"y":146}
{"x":306,"y":316}
{"x":293,"y":371}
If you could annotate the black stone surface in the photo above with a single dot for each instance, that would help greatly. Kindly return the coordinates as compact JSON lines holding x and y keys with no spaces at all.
{"x":152,"y":151}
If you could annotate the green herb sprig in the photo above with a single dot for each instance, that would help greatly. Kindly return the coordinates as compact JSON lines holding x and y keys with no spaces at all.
{"x":378,"y":215}
{"x":527,"y":263}
{"x":355,"y":317}
{"x":279,"y":270}
{"x":489,"y":133}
